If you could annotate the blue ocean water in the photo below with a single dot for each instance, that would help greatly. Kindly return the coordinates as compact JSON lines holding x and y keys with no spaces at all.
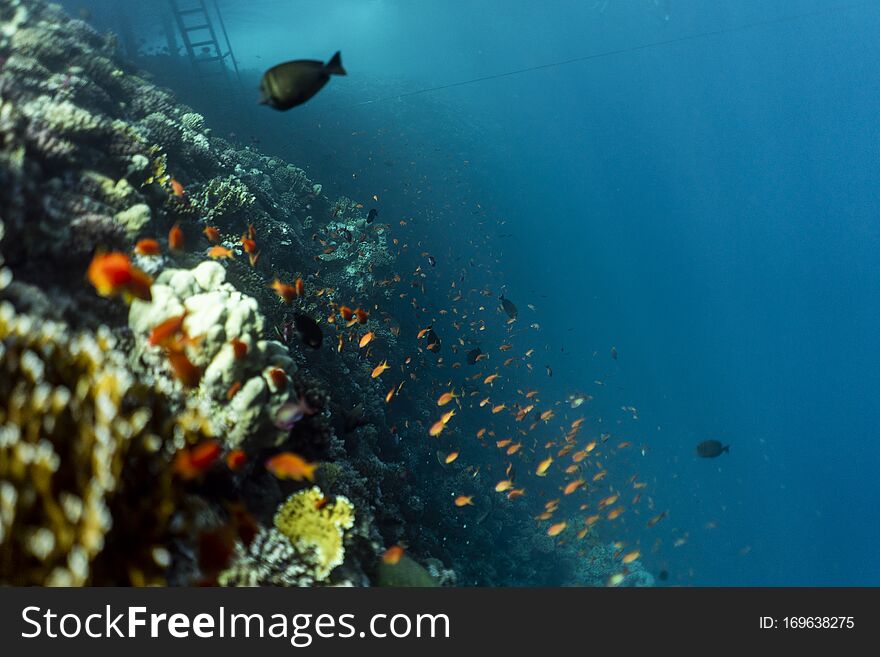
{"x":707,"y":206}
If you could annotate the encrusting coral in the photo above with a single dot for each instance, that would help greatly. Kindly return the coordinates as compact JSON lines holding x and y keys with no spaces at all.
{"x":238,"y":386}
{"x":302,"y":549}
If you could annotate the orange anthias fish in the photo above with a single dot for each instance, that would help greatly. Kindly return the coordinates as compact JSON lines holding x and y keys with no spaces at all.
{"x":448,"y":415}
{"x":504,"y":485}
{"x":392,"y":555}
{"x":464,"y":500}
{"x":629,"y":557}
{"x":490,"y":378}
{"x":191,"y":462}
{"x":450,"y":457}
{"x":239,"y":348}
{"x":176,"y":188}
{"x":346,"y":313}
{"x":445,"y":398}
{"x":147,"y":246}
{"x":573,"y":486}
{"x":288,"y":465}
{"x":541,"y":471}
{"x":217,"y":252}
{"x":365,"y":340}
{"x":436,"y":428}
{"x":557,"y":529}
{"x":212,"y":234}
{"x":113,"y":273}
{"x":164,"y":333}
{"x":184,"y":369}
{"x":381,"y":367}
{"x":175,"y":238}
{"x":299,"y":287}
{"x":235,"y":459}
{"x":278,"y":377}
{"x":283,"y":290}
{"x":362,"y":316}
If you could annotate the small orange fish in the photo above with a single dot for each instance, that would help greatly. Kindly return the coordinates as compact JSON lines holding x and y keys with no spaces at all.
{"x":164,"y":332}
{"x":176,"y":188}
{"x":377,"y":371}
{"x":513,"y":449}
{"x":217,"y":252}
{"x":113,"y":273}
{"x":252,"y":232}
{"x":249,"y":245}
{"x":346,"y":313}
{"x":189,"y":463}
{"x":233,"y":390}
{"x":175,"y":238}
{"x":283,"y":290}
{"x":497,"y":409}
{"x":212,"y":234}
{"x":573,"y":486}
{"x":557,"y":529}
{"x":515,"y":493}
{"x":299,"y":287}
{"x":235,"y":459}
{"x":491,"y":378}
{"x":541,"y":471}
{"x":184,"y":369}
{"x":392,"y":555}
{"x":464,"y":500}
{"x":288,"y":465}
{"x":436,"y":428}
{"x":389,"y":395}
{"x":445,"y":398}
{"x":147,"y":246}
{"x":629,"y":557}
{"x":615,"y":513}
{"x":239,"y":348}
{"x":362,"y":316}
{"x":450,"y":457}
{"x":365,"y":340}
{"x":278,"y":377}
{"x":504,"y":485}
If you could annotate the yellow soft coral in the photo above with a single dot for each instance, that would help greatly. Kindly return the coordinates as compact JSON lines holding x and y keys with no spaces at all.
{"x":316,"y":528}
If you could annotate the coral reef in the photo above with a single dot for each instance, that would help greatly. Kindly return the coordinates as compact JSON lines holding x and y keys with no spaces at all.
{"x":216,"y":315}
{"x":70,"y":412}
{"x":303,"y":547}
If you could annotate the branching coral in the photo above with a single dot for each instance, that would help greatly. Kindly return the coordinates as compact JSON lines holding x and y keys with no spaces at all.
{"x":227,"y":198}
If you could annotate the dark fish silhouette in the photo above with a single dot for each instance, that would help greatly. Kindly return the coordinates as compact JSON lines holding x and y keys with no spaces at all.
{"x":355,"y":418}
{"x":290,"y":84}
{"x":434,"y":343}
{"x":709,"y":449}
{"x":614,"y":353}
{"x":473,"y":355}
{"x":371,"y":215}
{"x":508,"y":306}
{"x":309,"y":331}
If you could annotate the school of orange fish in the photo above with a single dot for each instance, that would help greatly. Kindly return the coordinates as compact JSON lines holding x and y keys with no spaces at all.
{"x":540,"y":441}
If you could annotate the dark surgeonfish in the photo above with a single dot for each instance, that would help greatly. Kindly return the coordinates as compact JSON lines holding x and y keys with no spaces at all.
{"x":433,"y":341}
{"x":309,"y":331}
{"x":371,"y":215}
{"x":473,"y":355}
{"x":290,"y":84}
{"x":354,"y":418}
{"x":508,"y":306}
{"x":709,"y":449}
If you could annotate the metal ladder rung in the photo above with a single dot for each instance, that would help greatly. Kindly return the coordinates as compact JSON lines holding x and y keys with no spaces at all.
{"x":196,"y":27}
{"x":185,"y":12}
{"x":198,"y":44}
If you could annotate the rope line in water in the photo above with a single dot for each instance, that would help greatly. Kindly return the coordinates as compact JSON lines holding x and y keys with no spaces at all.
{"x":620,"y":51}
